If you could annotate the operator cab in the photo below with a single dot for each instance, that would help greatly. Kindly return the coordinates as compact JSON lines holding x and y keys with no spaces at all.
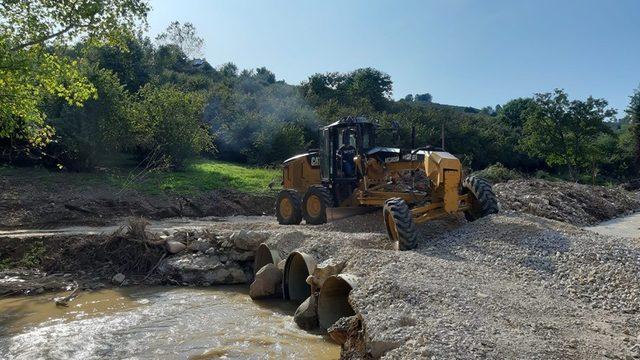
{"x":344,"y":141}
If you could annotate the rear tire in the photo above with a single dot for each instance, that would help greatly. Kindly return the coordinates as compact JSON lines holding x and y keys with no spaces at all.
{"x":399,"y":223}
{"x":483,"y":202}
{"x":289,"y":207}
{"x":314,"y":206}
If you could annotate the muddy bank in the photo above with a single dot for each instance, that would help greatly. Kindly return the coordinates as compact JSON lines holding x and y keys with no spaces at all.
{"x":130,"y":256}
{"x":569,"y":202}
{"x":25,"y":203}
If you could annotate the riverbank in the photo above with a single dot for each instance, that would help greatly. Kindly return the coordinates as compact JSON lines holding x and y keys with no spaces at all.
{"x":33,"y":198}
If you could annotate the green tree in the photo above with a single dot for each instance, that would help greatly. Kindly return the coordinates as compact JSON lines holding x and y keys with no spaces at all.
{"x":370,"y":85}
{"x":513,"y":113}
{"x":185,"y":37}
{"x":426,"y":98}
{"x":30,"y":69}
{"x":562,"y":132}
{"x":168,"y":125}
{"x":633,"y":111}
{"x":87,"y":135}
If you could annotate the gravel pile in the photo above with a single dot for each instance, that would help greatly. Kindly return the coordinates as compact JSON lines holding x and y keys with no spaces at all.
{"x":565,"y":201}
{"x":506,"y":286}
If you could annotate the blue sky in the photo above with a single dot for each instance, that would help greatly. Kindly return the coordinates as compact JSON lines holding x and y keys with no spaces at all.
{"x":463,"y":52}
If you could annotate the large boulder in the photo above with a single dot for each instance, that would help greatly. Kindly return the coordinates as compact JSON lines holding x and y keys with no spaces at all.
{"x":174,"y":247}
{"x":201,"y":269}
{"x":248,"y":239}
{"x":306,"y":315}
{"x":267,"y":282}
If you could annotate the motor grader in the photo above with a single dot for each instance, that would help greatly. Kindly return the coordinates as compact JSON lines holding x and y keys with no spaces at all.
{"x":350,"y":175}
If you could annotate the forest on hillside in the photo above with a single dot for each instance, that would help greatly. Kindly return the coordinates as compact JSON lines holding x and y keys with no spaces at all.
{"x":83,"y":88}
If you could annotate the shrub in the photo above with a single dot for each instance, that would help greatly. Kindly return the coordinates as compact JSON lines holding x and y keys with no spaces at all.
{"x":168,"y":125}
{"x":497,"y":173}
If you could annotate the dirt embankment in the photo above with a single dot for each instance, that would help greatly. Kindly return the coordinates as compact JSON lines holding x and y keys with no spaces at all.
{"x":28,"y":204}
{"x":569,"y":202}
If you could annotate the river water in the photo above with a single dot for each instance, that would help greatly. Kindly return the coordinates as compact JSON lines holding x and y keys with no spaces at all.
{"x":156,"y":323}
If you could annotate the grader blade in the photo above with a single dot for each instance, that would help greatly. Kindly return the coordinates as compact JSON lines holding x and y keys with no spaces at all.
{"x":338,"y":213}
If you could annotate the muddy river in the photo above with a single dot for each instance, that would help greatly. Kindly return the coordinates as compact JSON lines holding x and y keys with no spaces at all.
{"x":156,"y":323}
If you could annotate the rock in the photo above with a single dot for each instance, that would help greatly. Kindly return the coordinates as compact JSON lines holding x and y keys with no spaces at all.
{"x":281,"y":264}
{"x":198,"y":268}
{"x":201,"y":245}
{"x":237,"y":276}
{"x":174,"y":247}
{"x":306,"y":315}
{"x":267,"y":282}
{"x":118,"y":278}
{"x":242,"y":256}
{"x":248,"y":239}
{"x":218,"y":276}
{"x":339,"y":331}
{"x":325,"y":269}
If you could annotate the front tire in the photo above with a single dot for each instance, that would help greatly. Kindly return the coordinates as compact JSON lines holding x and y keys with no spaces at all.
{"x":399,"y":223}
{"x":483,"y":202}
{"x":314,"y":206}
{"x":289,"y":207}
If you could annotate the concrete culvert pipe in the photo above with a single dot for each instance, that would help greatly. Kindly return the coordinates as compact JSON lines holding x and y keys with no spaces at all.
{"x":333,"y":302}
{"x":296,"y":270}
{"x":265,"y":256}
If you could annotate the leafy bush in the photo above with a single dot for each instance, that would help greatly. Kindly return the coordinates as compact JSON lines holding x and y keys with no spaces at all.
{"x":541,"y":174}
{"x":86,"y":135}
{"x":498,"y":173}
{"x":168,"y":125}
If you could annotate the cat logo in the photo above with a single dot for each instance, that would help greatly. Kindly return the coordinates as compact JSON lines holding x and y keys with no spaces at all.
{"x":392,"y":159}
{"x":315,"y":161}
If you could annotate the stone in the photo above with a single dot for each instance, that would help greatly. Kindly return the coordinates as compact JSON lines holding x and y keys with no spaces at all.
{"x":247,"y":239}
{"x":174,"y":247}
{"x":306,"y":315}
{"x":242,"y":256}
{"x":201,"y":245}
{"x":325,"y":269}
{"x":218,"y":276}
{"x":267,"y":282}
{"x":237,"y":276}
{"x":118,"y":278}
{"x":281,"y":264}
{"x":339,"y":331}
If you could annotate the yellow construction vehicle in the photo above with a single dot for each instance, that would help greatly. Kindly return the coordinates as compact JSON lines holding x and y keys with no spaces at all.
{"x":350,"y":175}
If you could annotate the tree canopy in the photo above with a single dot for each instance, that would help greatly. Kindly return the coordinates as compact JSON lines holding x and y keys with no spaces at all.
{"x":563,"y":132}
{"x":31,"y":65}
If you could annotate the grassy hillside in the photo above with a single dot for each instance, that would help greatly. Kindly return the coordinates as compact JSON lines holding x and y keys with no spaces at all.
{"x":198,"y":176}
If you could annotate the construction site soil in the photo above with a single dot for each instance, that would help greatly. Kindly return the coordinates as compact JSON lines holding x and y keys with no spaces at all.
{"x":511,"y":285}
{"x":25,"y":203}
